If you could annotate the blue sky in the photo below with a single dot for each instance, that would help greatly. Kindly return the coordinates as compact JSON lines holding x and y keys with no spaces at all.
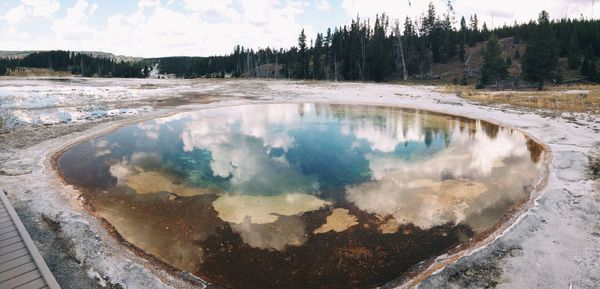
{"x":206,"y":27}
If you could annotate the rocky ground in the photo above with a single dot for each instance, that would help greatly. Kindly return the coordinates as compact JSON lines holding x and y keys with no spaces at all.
{"x":554,"y":244}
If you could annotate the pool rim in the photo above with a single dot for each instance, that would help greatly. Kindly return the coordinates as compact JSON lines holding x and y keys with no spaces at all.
{"x":409,"y":279}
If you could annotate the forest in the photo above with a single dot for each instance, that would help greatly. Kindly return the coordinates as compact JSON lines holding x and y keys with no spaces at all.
{"x":77,"y":63}
{"x":382,"y":50}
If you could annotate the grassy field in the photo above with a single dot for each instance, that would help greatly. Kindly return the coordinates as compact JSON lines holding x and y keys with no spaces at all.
{"x":572,"y":98}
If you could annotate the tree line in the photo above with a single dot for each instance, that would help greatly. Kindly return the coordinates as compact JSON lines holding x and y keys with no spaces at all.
{"x":386,"y":50}
{"x":77,"y":63}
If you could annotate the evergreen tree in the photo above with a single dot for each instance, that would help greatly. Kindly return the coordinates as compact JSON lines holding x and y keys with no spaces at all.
{"x":485,"y":32}
{"x":317,"y":57}
{"x":474,"y":33}
{"x":494,"y":67}
{"x":474,"y":23}
{"x":429,"y":21}
{"x":448,"y":36}
{"x":327,"y":46}
{"x":415,"y":49}
{"x":540,"y":61}
{"x":302,"y":56}
{"x":462,"y":39}
{"x":380,"y":60}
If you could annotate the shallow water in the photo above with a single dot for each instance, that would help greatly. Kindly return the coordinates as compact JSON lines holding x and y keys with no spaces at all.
{"x":303,"y":195}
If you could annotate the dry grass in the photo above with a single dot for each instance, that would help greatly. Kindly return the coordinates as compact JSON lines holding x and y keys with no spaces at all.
{"x":574,"y":98}
{"x":39,"y":72}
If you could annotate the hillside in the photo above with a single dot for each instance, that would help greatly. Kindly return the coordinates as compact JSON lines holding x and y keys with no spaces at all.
{"x":99,"y":54}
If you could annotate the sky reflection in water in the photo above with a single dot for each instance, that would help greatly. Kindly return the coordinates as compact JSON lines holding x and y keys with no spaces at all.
{"x":279,"y":183}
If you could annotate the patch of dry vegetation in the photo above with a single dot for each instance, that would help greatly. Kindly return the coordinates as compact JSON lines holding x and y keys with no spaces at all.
{"x":38,"y":72}
{"x":572,"y":98}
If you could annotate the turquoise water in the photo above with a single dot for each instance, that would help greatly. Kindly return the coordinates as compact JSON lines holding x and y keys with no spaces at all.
{"x":373,"y":189}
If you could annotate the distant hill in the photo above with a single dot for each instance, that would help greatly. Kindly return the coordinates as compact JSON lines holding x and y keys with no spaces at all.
{"x":99,"y":54}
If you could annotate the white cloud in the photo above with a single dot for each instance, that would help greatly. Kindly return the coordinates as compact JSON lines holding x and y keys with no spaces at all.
{"x":28,"y":9}
{"x":16,"y":15}
{"x":323,"y":5}
{"x":213,"y":8}
{"x":74,"y":25}
{"x":196,"y":30}
{"x":372,"y":7}
{"x":148,"y":3}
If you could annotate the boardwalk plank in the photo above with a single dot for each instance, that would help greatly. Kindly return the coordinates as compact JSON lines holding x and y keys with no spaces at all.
{"x":12,"y":248}
{"x":21,"y":264}
{"x":35,"y":284}
{"x":15,"y":262}
{"x":17,"y":271}
{"x":9,"y":235}
{"x":6,"y":224}
{"x":21,"y":279}
{"x":6,"y":230}
{"x":13,"y":255}
{"x":10,"y":241}
{"x":6,"y":220}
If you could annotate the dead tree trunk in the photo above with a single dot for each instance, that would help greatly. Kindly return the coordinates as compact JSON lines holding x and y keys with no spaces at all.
{"x":401,"y":47}
{"x":404,"y":72}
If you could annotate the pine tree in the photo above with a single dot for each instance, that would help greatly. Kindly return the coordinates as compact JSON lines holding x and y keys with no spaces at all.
{"x":327,"y":45}
{"x":379,"y":60}
{"x":429,"y":21}
{"x":448,"y":35}
{"x":540,"y":61}
{"x":474,"y":34}
{"x":474,"y":23}
{"x":485,"y":32}
{"x":317,"y":57}
{"x":462,"y":39}
{"x":302,"y":57}
{"x":494,"y":67}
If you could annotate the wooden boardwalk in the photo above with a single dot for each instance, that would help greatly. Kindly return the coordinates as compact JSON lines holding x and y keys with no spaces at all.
{"x":21,"y":265}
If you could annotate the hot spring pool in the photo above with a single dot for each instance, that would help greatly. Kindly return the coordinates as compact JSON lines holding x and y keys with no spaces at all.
{"x":303,"y":195}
